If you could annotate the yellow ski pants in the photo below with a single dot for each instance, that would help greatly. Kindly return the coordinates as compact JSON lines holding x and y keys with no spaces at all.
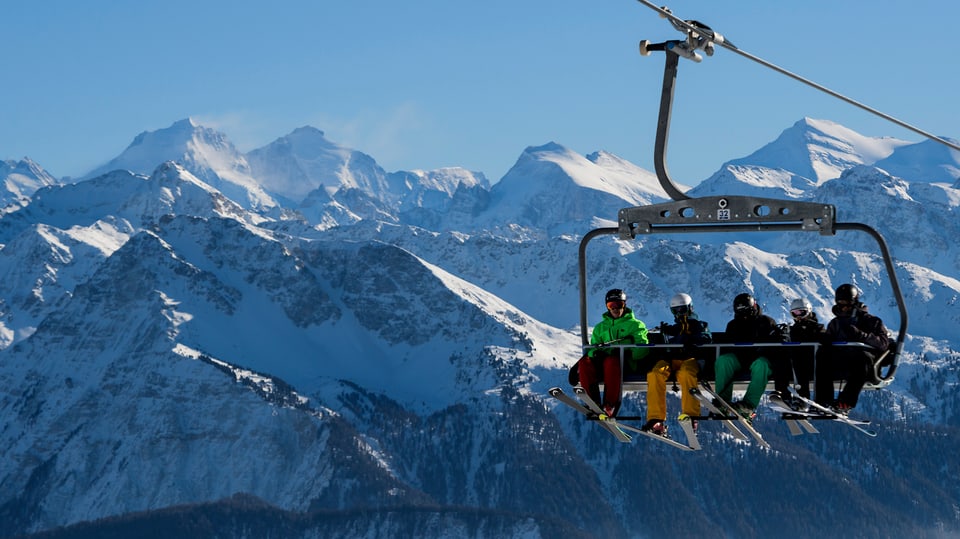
{"x":686,"y":370}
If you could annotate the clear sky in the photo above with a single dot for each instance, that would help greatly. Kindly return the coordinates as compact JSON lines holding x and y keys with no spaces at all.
{"x":423,"y":84}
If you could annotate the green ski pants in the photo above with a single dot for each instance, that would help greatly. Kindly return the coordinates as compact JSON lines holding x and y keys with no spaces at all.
{"x":727,"y":367}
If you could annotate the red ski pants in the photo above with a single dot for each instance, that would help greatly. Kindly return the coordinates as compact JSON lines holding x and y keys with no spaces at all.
{"x":607,"y":367}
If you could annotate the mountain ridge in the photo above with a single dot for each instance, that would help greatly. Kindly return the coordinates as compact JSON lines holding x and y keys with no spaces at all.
{"x":164,"y":344}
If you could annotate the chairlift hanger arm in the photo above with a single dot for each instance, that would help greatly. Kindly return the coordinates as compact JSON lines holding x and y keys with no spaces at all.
{"x":895,"y":286}
{"x":700,"y":36}
{"x":582,"y":258}
{"x":731,"y":213}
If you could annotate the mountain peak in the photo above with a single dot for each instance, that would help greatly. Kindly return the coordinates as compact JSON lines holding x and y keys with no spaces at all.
{"x":307,"y":130}
{"x":178,"y":133}
{"x":548,"y":147}
{"x":181,"y":141}
{"x":552,"y":184}
{"x":819,"y":150}
{"x":204,"y":152}
{"x":19,"y":180}
{"x":294,"y":165}
{"x":186,"y":123}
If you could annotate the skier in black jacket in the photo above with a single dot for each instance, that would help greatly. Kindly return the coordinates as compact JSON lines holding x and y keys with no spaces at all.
{"x":852,"y":324}
{"x":749,"y":324}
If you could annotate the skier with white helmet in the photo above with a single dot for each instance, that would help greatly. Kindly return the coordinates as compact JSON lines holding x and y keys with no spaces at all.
{"x":798,"y":366}
{"x":689,"y":331}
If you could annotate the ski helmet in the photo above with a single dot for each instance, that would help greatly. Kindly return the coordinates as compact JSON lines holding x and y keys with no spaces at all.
{"x":800,"y":308}
{"x":848,"y":292}
{"x":745,"y":305}
{"x":615,"y":295}
{"x":681,"y":304}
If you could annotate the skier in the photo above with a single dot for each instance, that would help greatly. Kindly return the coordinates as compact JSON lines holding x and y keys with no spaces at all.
{"x":852,"y":323}
{"x":749,"y":324}
{"x":619,"y":326}
{"x":689,"y":331}
{"x":798,"y":366}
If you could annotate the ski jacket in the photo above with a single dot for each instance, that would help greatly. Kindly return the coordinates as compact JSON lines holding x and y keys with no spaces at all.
{"x":861,"y":326}
{"x":688,"y":330}
{"x":755,"y":329}
{"x":627,"y":329}
{"x":807,"y":329}
{"x":760,"y":328}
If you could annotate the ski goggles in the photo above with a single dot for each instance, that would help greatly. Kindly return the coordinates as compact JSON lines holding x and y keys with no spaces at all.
{"x":845,"y":305}
{"x":680,"y":310}
{"x":799,"y":313}
{"x":616,"y":304}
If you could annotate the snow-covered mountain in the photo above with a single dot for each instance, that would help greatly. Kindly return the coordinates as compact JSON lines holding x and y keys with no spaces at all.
{"x":294,"y":165}
{"x":21,"y":179}
{"x":924,"y":162}
{"x":820,"y":150}
{"x":376,"y":346}
{"x":803,"y":157}
{"x":552,"y":188}
{"x":206,"y":153}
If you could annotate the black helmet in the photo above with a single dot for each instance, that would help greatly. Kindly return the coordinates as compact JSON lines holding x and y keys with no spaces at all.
{"x":615,"y":295}
{"x":848,"y":292}
{"x":745,"y":305}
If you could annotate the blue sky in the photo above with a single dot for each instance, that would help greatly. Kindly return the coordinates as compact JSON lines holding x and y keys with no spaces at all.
{"x":434,"y":83}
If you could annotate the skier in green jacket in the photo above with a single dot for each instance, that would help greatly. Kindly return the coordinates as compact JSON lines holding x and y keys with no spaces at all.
{"x":618,"y":327}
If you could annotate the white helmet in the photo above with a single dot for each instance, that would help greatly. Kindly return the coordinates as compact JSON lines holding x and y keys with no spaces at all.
{"x":800,"y":308}
{"x":681,"y":305}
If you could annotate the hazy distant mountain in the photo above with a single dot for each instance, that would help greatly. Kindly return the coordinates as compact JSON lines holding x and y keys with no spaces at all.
{"x":375,"y":355}
{"x":206,"y":153}
{"x":294,"y":165}
{"x":927,"y":161}
{"x":329,"y":184}
{"x":21,"y":179}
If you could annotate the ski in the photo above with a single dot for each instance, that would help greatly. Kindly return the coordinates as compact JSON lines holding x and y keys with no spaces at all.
{"x":606,"y":422}
{"x":558,"y":394}
{"x":613,"y":429}
{"x":798,"y":426}
{"x":593,"y":413}
{"x":695,"y":445}
{"x":609,"y":421}
{"x":728,"y":420}
{"x":796,"y":423}
{"x":708,"y":394}
{"x":814,"y":411}
{"x":686,"y":423}
{"x":818,"y":411}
